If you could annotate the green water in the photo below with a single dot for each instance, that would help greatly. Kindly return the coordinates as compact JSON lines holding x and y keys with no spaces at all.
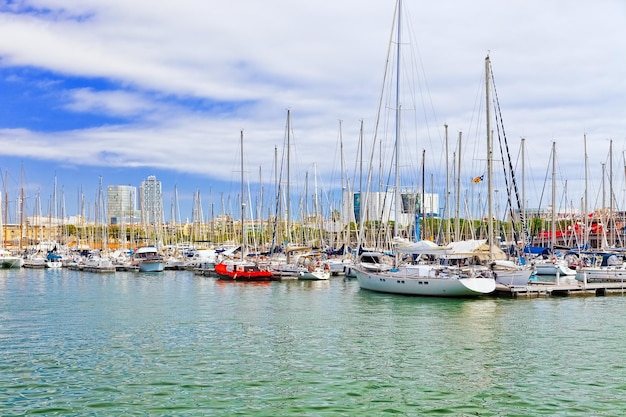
{"x":172,"y":344}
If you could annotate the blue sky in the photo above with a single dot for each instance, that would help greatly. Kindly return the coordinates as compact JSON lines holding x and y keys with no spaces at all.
{"x":123,"y":90}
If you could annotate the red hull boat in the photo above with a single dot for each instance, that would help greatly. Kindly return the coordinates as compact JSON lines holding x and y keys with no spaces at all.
{"x":241,"y":271}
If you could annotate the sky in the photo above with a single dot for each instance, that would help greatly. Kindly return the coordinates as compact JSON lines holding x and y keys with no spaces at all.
{"x":116,"y":91}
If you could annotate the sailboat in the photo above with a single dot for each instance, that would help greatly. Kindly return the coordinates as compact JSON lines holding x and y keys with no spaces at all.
{"x":553,"y":265}
{"x":421,"y":276}
{"x":7,"y":259}
{"x":507,"y":272}
{"x":241,"y":269}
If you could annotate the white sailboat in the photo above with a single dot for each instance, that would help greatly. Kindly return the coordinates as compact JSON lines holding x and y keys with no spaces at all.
{"x":420,"y":277}
{"x":554,"y":265}
{"x":506,"y":272}
{"x":7,"y":259}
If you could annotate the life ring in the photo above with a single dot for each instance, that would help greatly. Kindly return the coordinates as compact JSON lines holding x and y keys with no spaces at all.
{"x":311,"y":268}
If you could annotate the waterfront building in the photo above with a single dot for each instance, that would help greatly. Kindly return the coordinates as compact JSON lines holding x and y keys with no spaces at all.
{"x":151,"y":201}
{"x":122,"y":204}
{"x":380,"y":206}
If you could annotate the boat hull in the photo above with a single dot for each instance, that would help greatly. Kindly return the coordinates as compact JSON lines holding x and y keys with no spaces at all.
{"x":54,"y":264}
{"x":148,"y":259}
{"x":553,"y":269}
{"x":241,"y":272}
{"x":9,"y":262}
{"x":317,"y":274}
{"x":599,"y":274}
{"x":151,"y":266}
{"x":515,"y":278}
{"x":403,"y":282}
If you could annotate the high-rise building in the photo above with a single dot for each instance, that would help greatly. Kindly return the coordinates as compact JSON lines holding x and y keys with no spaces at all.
{"x":151,"y":201}
{"x":121,"y":204}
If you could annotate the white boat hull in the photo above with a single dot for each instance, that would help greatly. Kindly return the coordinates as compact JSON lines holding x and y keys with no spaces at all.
{"x":515,"y":278}
{"x":8,"y":262}
{"x":410,"y":283}
{"x":611,"y":274}
{"x":336,"y":266}
{"x":509,"y":273}
{"x":54,"y":264}
{"x":315,"y":275}
{"x":550,"y":268}
{"x":98,"y":265}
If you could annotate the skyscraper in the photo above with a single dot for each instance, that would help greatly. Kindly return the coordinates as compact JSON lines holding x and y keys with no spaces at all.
{"x":151,"y":201}
{"x":121,"y":204}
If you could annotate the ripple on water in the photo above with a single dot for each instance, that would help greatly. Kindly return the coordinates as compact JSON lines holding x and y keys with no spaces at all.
{"x":188,"y":345}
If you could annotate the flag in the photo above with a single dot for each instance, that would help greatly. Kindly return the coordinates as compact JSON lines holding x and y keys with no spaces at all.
{"x":478,"y":179}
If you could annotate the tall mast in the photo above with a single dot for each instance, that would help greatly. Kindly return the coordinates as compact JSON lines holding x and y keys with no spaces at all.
{"x":585,"y":201}
{"x":524,"y":235}
{"x":397,"y":153}
{"x":611,"y":220}
{"x":344,"y":219}
{"x":22,"y":209}
{"x":553,"y":220}
{"x":243,"y":205}
{"x":5,"y":214}
{"x":489,"y":159}
{"x":288,"y":175}
{"x":457,"y":208}
{"x":447,"y":186}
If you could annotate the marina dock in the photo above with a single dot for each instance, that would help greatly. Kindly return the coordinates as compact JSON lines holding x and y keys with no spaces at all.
{"x":568,"y":288}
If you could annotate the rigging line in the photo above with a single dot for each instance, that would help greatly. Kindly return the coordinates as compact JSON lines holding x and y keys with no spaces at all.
{"x":512,"y":172}
{"x":506,"y":143}
{"x":364,"y":203}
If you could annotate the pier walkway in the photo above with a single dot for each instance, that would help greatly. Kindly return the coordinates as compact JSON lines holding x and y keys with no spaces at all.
{"x":567,"y":288}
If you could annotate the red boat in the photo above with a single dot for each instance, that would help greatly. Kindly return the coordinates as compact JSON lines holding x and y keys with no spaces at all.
{"x":241,"y":271}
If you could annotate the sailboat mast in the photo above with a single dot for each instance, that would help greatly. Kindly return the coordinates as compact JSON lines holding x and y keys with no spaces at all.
{"x":457,"y":208}
{"x":447,"y":186}
{"x":585,"y":195}
{"x":553,"y":220}
{"x":611,"y":220}
{"x":22,"y":218}
{"x":397,"y":153}
{"x":288,"y":212}
{"x":5,"y":214}
{"x":489,"y":158}
{"x":524,"y":235}
{"x":243,"y":204}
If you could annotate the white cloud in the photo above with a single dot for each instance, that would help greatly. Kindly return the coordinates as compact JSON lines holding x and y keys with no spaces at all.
{"x":558,"y":67}
{"x":114,"y":103}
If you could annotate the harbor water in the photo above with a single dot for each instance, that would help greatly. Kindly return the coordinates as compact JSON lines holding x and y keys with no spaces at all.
{"x":175,"y":343}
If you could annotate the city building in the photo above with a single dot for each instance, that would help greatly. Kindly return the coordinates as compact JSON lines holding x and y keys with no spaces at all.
{"x":151,"y":201}
{"x":122,"y":204}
